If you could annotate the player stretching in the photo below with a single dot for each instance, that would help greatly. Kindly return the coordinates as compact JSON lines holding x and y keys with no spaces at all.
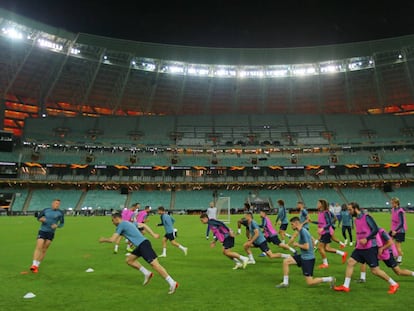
{"x":167,"y":221}
{"x":325,"y":230}
{"x":142,"y":249}
{"x":398,"y":226}
{"x":223,"y":234}
{"x":257,"y":239}
{"x":306,"y":259}
{"x":270,"y":233}
{"x":283,"y":219}
{"x":386,"y":252}
{"x":51,"y":218}
{"x":366,"y":249}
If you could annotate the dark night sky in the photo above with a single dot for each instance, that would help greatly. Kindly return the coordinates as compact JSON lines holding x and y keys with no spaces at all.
{"x":226,"y":23}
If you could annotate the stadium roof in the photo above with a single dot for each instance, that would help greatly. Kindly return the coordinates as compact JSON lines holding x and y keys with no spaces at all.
{"x":217,"y":23}
{"x":55,"y":72}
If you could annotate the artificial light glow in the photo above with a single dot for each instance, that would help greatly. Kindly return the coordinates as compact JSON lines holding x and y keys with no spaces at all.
{"x":223,"y":72}
{"x":277,"y":73}
{"x":303,"y":71}
{"x":74,"y":51}
{"x":49,"y":44}
{"x":175,"y":69}
{"x":12,"y":33}
{"x":198,"y":71}
{"x":251,"y":73}
{"x":149,"y":67}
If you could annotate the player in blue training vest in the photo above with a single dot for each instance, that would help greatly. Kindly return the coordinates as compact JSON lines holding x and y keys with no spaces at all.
{"x":168,"y":222}
{"x":142,"y":249}
{"x":305,"y":260}
{"x":51,"y":218}
{"x":283,"y":219}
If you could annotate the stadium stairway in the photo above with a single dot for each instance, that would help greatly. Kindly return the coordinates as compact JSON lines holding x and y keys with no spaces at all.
{"x":80,"y":202}
{"x":342,"y":195}
{"x":27,"y":201}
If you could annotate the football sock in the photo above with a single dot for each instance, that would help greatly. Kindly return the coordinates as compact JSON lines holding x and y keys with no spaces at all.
{"x":170,"y":280}
{"x":286,"y":279}
{"x":363,"y":275}
{"x":144,"y":270}
{"x":347,"y":282}
{"x":391,"y":281}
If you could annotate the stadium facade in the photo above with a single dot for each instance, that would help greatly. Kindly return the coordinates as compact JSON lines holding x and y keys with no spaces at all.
{"x":103,"y":112}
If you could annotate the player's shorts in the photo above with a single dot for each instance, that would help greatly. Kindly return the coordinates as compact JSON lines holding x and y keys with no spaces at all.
{"x":399,"y":237}
{"x":274,"y":239}
{"x":307,"y":265}
{"x":263,"y":246}
{"x":228,"y":242}
{"x":170,"y":236}
{"x":145,"y":251}
{"x":45,"y":235}
{"x":283,"y":227}
{"x":325,"y":238}
{"x":390,"y":262}
{"x":368,"y":256}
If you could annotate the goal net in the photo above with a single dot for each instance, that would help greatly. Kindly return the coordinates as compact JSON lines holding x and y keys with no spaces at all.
{"x":223,"y":209}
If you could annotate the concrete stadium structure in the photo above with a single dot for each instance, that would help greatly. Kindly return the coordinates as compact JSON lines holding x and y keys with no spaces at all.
{"x":265,"y":118}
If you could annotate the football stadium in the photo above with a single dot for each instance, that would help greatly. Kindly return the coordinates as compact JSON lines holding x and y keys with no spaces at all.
{"x":101,"y":123}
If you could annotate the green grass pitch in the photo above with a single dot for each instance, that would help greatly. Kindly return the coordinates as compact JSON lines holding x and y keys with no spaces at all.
{"x":206,"y":278}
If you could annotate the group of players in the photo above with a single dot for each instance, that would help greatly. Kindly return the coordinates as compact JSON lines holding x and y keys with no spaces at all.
{"x":372,"y":243}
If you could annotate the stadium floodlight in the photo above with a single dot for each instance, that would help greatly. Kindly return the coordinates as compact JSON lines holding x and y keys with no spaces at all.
{"x":251,"y":73}
{"x":277,"y":73}
{"x":12,"y":33}
{"x":225,"y":72}
{"x":146,"y":65}
{"x":360,"y":63}
{"x":175,"y":69}
{"x":50,"y":45}
{"x":331,"y":67}
{"x":74,"y":51}
{"x":195,"y":70}
{"x":303,"y":70}
{"x":242,"y":74}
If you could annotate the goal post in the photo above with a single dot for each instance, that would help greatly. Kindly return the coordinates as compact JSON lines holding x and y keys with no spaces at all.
{"x":223,"y":209}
